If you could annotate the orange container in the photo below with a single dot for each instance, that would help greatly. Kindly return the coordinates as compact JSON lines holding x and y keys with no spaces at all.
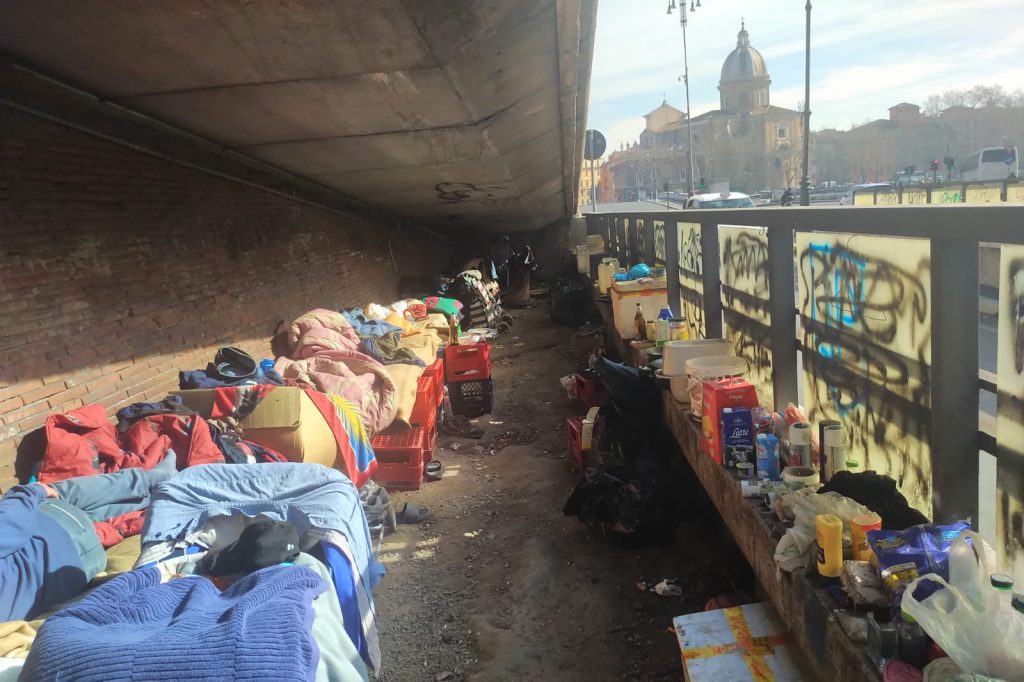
{"x":859,"y":527}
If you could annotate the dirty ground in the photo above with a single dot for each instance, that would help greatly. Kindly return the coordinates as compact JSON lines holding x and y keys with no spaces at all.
{"x":499,"y":585}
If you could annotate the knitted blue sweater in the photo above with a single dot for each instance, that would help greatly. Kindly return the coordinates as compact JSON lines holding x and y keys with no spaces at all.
{"x":134,"y":628}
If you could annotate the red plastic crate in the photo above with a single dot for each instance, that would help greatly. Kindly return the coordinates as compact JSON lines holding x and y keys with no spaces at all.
{"x":424,"y":410}
{"x":467,"y":362}
{"x":574,"y":429}
{"x":435,"y":371}
{"x":400,"y":458}
{"x":590,"y":391}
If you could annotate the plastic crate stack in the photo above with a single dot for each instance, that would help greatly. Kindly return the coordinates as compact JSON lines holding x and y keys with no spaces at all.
{"x":402,"y":453}
{"x":467,"y":371}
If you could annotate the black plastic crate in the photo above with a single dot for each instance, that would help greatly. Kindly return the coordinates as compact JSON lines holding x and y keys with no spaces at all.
{"x":471,"y":398}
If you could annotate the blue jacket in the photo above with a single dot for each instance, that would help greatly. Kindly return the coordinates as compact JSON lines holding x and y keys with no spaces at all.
{"x":39,"y":563}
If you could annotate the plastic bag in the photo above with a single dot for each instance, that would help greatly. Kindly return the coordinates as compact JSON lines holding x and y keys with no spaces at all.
{"x":985,"y":641}
{"x":795,"y":551}
{"x":569,"y":384}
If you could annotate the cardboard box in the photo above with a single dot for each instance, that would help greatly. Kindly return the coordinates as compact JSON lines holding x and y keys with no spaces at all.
{"x":740,"y":643}
{"x":286,"y":420}
{"x":717,"y":396}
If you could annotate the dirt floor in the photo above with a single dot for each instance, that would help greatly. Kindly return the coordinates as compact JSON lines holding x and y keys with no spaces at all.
{"x":500,"y":585}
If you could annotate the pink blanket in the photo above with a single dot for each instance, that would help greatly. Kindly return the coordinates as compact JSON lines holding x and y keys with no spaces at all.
{"x":322,"y":355}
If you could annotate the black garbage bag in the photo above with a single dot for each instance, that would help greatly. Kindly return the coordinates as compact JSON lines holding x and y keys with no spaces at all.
{"x":633,"y":392}
{"x":568,"y":300}
{"x":629,"y":495}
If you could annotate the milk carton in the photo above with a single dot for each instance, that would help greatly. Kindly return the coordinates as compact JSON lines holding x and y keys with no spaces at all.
{"x":737,"y":436}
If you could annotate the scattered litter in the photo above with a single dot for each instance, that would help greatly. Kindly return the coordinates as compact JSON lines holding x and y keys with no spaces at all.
{"x":446,"y":675}
{"x":455,"y":446}
{"x":666,"y":588}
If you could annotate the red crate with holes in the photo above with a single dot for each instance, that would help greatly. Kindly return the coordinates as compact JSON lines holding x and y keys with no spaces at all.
{"x":435,"y":371}
{"x":574,"y":428}
{"x":467,"y":362}
{"x":590,"y":390}
{"x":424,"y":410}
{"x":400,"y":458}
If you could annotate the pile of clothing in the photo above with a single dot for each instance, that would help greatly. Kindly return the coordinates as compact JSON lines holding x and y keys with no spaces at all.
{"x":243,"y":572}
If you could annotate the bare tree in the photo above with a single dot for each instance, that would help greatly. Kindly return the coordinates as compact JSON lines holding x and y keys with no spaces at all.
{"x":933,"y":105}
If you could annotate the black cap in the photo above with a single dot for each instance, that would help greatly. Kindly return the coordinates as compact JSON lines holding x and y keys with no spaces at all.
{"x":1001,"y":581}
{"x":263,"y":543}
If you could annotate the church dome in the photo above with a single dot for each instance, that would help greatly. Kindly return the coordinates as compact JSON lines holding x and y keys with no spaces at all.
{"x":744,"y":62}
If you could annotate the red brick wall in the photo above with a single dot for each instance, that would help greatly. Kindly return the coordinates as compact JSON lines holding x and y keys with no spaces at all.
{"x":118,"y":269}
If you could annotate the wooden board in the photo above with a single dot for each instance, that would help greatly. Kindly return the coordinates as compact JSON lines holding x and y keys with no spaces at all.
{"x":736,"y":644}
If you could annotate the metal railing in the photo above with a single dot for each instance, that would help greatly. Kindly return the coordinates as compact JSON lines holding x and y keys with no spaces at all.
{"x":982,"y":192}
{"x":880,"y":333}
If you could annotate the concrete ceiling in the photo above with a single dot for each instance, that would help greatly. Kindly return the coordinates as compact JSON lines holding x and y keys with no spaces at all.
{"x":452,"y":113}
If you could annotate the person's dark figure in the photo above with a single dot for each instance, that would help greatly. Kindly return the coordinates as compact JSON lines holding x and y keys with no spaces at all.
{"x":787,"y":197}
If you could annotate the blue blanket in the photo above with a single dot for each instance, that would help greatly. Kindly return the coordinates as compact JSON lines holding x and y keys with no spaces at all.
{"x":134,"y":628}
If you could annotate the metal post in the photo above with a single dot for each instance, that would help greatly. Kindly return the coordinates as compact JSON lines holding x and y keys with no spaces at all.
{"x":782,"y":308}
{"x":711,"y":262}
{"x":672,"y":263}
{"x":805,"y":189}
{"x":686,"y":83}
{"x":593,"y":188}
{"x":954,"y":379}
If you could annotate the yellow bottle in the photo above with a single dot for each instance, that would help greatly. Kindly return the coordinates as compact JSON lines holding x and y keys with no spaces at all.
{"x":830,"y":544}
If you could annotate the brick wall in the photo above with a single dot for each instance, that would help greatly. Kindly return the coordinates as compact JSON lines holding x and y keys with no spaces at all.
{"x":118,"y":269}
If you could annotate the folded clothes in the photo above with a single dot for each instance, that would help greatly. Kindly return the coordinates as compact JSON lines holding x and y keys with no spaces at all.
{"x":136,"y":628}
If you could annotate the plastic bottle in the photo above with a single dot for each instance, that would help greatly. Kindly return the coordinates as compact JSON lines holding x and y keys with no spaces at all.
{"x":1002,"y":588}
{"x":829,"y":535}
{"x":912,"y":646}
{"x":639,"y":324}
{"x":266,"y":365}
{"x":661,"y":325}
{"x":453,"y":332}
{"x":859,"y":527}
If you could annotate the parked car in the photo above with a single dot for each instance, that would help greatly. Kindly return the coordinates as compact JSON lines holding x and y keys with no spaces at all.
{"x":847,"y":199}
{"x":720,"y":200}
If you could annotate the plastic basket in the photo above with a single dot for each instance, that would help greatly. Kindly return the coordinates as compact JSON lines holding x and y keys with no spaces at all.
{"x":400,"y":458}
{"x":471,"y":398}
{"x":467,"y":362}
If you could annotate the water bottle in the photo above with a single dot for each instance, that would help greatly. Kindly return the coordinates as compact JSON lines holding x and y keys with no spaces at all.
{"x":266,"y":365}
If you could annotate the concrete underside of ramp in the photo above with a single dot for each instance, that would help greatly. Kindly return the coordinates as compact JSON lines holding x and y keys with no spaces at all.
{"x":455,"y":115}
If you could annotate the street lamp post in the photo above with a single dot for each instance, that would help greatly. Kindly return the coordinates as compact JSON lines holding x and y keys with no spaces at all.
{"x":686,"y":85}
{"x":805,"y":183}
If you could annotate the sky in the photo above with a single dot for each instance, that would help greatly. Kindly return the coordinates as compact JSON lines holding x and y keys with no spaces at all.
{"x":866,"y":55}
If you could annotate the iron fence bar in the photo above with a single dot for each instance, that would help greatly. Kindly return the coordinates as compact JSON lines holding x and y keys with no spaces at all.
{"x":781,"y":305}
{"x":649,"y":255}
{"x":711,"y":279}
{"x":982,"y":222}
{"x":672,"y":262}
{"x":954,"y":374}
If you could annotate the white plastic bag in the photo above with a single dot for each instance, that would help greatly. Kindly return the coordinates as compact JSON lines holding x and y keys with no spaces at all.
{"x":987,"y":641}
{"x":795,"y":550}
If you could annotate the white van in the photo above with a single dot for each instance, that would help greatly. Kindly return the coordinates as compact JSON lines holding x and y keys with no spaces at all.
{"x":991,"y":163}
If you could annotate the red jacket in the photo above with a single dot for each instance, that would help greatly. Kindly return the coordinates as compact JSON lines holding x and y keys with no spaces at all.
{"x":83,"y":442}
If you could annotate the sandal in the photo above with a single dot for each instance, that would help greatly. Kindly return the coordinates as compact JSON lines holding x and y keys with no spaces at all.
{"x":454,"y":425}
{"x":434,"y":471}
{"x":412,"y":513}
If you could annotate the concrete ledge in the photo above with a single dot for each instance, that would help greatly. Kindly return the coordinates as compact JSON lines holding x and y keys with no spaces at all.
{"x":806,"y":608}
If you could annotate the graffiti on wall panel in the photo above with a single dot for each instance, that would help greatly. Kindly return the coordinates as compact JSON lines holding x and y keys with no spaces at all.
{"x":744,"y":275}
{"x":641,"y":240}
{"x":659,"y":242}
{"x":627,"y":241}
{"x":866,"y":331}
{"x":691,"y":283}
{"x":1009,"y":414}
